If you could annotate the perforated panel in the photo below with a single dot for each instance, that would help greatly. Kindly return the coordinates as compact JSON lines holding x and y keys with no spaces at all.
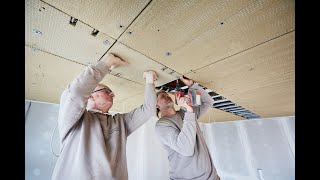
{"x":138,"y":63}
{"x":48,"y":29}
{"x":217,"y":40}
{"x":261,"y":79}
{"x":216,"y":115}
{"x":198,"y":33}
{"x":111,"y":17}
{"x":47,"y":76}
{"x":128,"y":104}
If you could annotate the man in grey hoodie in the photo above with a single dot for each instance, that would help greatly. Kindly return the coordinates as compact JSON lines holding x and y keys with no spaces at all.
{"x":93,"y":142}
{"x":181,"y":136}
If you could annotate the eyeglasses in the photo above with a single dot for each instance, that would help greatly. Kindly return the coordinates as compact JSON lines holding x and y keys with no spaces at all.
{"x":106,"y":90}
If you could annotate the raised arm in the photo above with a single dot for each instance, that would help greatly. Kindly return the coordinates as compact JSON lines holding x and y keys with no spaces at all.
{"x":182,"y":141}
{"x":140,"y":115}
{"x":206,"y":99}
{"x":74,"y":99}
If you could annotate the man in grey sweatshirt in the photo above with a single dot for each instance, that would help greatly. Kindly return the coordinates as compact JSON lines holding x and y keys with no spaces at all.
{"x":93,"y":142}
{"x":181,"y":136}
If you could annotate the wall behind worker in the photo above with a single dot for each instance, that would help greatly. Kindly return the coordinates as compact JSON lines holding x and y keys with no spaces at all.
{"x":145,"y":155}
{"x":238,"y":148}
{"x":253,"y":149}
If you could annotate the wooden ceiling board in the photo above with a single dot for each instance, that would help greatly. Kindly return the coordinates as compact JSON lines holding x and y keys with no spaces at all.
{"x":46,"y":76}
{"x":217,"y":115}
{"x":138,"y":63}
{"x":193,"y":34}
{"x":261,"y":79}
{"x":48,"y":29}
{"x":128,"y":104}
{"x":111,"y":17}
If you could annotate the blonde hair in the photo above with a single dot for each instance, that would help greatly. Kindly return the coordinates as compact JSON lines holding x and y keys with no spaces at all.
{"x":157,"y":94}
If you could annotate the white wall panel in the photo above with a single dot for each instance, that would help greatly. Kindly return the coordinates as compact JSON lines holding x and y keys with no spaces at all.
{"x":238,"y":148}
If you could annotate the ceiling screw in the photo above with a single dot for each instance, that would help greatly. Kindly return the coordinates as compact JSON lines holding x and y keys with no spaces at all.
{"x":106,"y":42}
{"x":37,"y":32}
{"x":164,"y":68}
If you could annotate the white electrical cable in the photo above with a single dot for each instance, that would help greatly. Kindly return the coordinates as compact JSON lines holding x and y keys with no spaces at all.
{"x":51,"y":140}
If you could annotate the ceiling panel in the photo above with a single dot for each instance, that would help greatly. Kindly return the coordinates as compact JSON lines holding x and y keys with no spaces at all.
{"x":46,"y":76}
{"x":212,"y":115}
{"x":48,"y":29}
{"x":111,"y":17}
{"x":187,"y":35}
{"x":138,"y":63}
{"x":261,"y":79}
{"x":128,"y":104}
{"x":216,"y":115}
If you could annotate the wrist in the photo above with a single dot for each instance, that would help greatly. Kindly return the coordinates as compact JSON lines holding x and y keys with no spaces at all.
{"x":149,"y":78}
{"x":108,"y":60}
{"x":108,"y":64}
{"x":189,"y":109}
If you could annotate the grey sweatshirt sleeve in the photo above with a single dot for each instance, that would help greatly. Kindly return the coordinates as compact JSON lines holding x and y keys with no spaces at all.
{"x":182,"y":141}
{"x":206,"y":101}
{"x":137,"y":117}
{"x":74,"y":99}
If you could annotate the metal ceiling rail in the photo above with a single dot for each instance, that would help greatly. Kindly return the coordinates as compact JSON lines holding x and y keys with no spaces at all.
{"x":219,"y":102}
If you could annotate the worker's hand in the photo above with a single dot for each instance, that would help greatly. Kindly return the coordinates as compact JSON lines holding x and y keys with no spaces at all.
{"x":112,"y":61}
{"x":150,"y":76}
{"x":187,"y":82}
{"x":183,"y":101}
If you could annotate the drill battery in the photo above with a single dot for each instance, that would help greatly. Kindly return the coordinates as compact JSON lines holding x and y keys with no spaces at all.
{"x":195,"y":97}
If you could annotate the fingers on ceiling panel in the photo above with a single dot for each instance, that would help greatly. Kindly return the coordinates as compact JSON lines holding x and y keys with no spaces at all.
{"x":54,"y":32}
{"x":46,"y":76}
{"x":138,"y":63}
{"x":189,"y":35}
{"x":111,"y":17}
{"x":260,"y":79}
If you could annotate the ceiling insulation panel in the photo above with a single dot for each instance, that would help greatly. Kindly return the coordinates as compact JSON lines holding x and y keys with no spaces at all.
{"x":138,"y":63}
{"x":217,"y":115}
{"x":128,"y":104}
{"x":261,"y":79}
{"x":49,"y":30}
{"x":46,"y":76}
{"x":189,"y":35}
{"x":111,"y":17}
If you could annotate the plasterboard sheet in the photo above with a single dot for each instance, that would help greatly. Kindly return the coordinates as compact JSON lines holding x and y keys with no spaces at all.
{"x":261,"y":79}
{"x":217,"y":115}
{"x":200,"y":33}
{"x":269,"y":149}
{"x":46,"y":76}
{"x":138,"y":63}
{"x":48,"y":29}
{"x":111,"y":17}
